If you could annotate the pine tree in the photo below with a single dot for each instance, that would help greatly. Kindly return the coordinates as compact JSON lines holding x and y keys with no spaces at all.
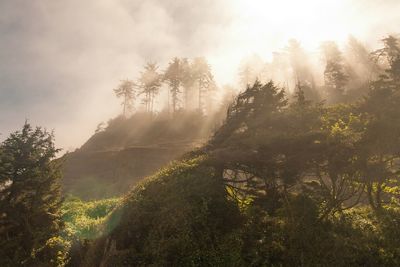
{"x":205,"y":79}
{"x":150,"y":83}
{"x":302,"y":74}
{"x":126,"y":91}
{"x":335,"y":75}
{"x":173,"y":77}
{"x":390,"y":54}
{"x":29,"y":199}
{"x":252,"y":68}
{"x":246,"y":75}
{"x":187,"y":80}
{"x":365,"y":65}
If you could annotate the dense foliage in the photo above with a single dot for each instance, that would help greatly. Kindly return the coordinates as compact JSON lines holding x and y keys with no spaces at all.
{"x":30,"y":200}
{"x":82,"y":224}
{"x":179,"y":217}
{"x":82,"y":219}
{"x":283,"y":182}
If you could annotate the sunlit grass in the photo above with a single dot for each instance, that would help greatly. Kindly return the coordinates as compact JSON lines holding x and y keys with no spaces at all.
{"x":83,"y":219}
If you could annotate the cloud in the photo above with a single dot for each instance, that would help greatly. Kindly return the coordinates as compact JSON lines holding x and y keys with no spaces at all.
{"x":59,"y":60}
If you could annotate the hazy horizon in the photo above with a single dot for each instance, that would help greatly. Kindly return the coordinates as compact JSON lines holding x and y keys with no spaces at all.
{"x":59,"y":61}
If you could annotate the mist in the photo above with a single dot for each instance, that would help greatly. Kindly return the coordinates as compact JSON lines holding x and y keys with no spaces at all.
{"x":59,"y":61}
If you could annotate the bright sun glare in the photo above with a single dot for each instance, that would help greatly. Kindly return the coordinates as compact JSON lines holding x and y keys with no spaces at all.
{"x":263,"y":26}
{"x":310,"y":21}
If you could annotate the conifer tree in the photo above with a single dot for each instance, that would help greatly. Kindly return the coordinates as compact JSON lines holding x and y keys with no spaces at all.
{"x":187,"y":80}
{"x":302,"y":74}
{"x":205,"y":79}
{"x":335,"y":75}
{"x":126,"y":91}
{"x":29,"y":199}
{"x":246,"y":75}
{"x":390,"y":54}
{"x":173,"y":77}
{"x":150,"y":83}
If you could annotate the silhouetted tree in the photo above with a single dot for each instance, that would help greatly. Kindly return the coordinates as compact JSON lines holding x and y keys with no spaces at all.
{"x":246,"y":75}
{"x":301,"y":70}
{"x":250,"y":69}
{"x":363,"y":59}
{"x":100,"y":127}
{"x":149,"y":84}
{"x":335,"y":75}
{"x":188,"y":80}
{"x":300,"y":96}
{"x":205,"y":79}
{"x":281,"y":69}
{"x":379,"y":148}
{"x":390,"y":55}
{"x":126,"y":91}
{"x":173,"y":77}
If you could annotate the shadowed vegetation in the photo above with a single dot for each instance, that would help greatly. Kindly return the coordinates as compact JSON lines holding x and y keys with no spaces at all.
{"x":285,"y":180}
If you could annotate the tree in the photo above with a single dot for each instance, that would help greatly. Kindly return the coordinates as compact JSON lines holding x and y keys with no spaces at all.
{"x":335,"y":75}
{"x":280,"y":69}
{"x":362,"y":71}
{"x":126,"y":91}
{"x":389,"y":56}
{"x":380,"y":144}
{"x":100,"y":127}
{"x":250,"y":109}
{"x":365,"y":65}
{"x":252,"y":68}
{"x":300,"y":96}
{"x":188,"y":80}
{"x":246,"y":75}
{"x":29,"y":199}
{"x":268,"y":150}
{"x":149,"y":84}
{"x":301,"y":70}
{"x":173,"y":77}
{"x":205,"y":79}
{"x":297,"y":58}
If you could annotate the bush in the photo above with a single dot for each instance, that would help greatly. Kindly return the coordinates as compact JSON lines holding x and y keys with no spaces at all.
{"x":179,"y":217}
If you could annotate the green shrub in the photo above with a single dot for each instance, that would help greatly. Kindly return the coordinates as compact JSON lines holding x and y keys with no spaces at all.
{"x":179,"y":217}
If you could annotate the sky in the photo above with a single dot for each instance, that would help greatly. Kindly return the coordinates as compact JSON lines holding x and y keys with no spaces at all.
{"x":60,"y":60}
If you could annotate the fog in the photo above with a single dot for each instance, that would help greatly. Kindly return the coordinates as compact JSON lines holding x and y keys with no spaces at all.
{"x":60,"y":60}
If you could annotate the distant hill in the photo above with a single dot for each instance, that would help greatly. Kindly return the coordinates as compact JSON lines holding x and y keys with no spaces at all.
{"x":128,"y":149}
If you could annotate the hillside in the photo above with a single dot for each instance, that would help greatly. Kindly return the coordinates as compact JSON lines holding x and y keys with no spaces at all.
{"x":118,"y":156}
{"x":279,"y":184}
